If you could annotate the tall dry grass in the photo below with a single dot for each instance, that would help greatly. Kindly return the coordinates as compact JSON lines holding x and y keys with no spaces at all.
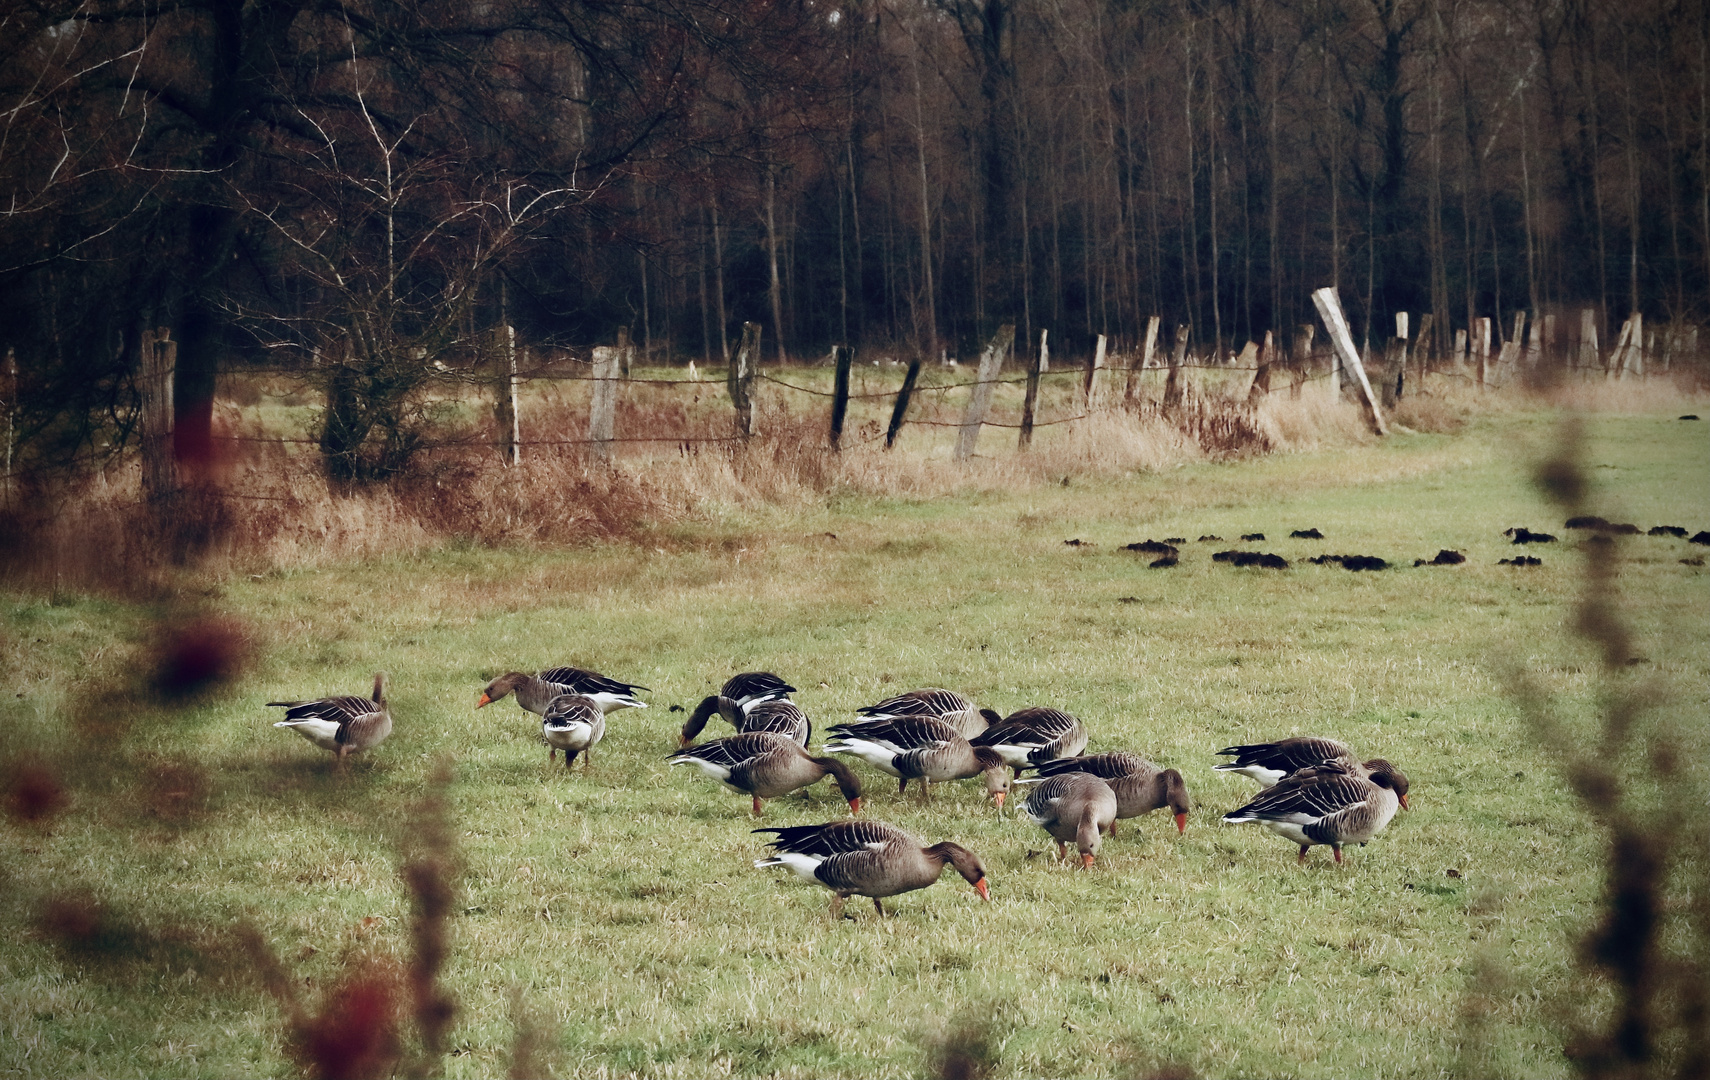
{"x":268,"y":504}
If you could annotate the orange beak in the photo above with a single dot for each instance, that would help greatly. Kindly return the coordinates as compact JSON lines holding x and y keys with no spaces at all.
{"x":484,"y":702}
{"x":1181,"y":822}
{"x":997,"y":797}
{"x":1086,"y":860}
{"x":1404,"y":805}
{"x":854,"y":807}
{"x":984,"y":890}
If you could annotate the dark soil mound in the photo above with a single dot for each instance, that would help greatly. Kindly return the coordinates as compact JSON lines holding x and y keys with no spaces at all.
{"x":1445,"y":557}
{"x":1306,"y":534}
{"x":1208,"y":538}
{"x":1162,"y":564}
{"x":1520,"y":560}
{"x":1668,"y":530}
{"x":1252,"y":536}
{"x":1252,"y":558}
{"x":1523,"y":535}
{"x":1151,"y":547}
{"x":1700,"y":538}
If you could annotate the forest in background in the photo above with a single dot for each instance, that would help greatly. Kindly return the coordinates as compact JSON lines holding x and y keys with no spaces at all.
{"x":364,"y":190}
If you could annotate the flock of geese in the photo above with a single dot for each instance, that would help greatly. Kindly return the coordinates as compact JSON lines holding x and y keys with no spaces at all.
{"x":1313,"y":790}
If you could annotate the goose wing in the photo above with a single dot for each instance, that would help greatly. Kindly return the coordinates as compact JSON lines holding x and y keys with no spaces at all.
{"x":834,"y":838}
{"x":899,"y":734}
{"x":577,"y":681}
{"x":732,"y":752}
{"x":1028,"y":727}
{"x":568,"y":710}
{"x":337,"y":710}
{"x":752,"y":686}
{"x":1285,"y":756}
{"x":1327,"y":791}
{"x":1109,"y":766}
{"x":780,"y":717}
{"x":1041,"y":804}
{"x":933,"y":701}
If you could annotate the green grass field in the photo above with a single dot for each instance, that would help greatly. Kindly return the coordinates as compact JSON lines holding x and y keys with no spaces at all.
{"x":618,"y":909}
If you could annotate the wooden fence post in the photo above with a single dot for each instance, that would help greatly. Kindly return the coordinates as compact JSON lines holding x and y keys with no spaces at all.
{"x":159,"y":359}
{"x":1422,"y":346}
{"x":843,"y":356}
{"x":899,"y":411}
{"x":1089,"y":394}
{"x":1481,"y":348}
{"x":1044,"y":350}
{"x":1172,"y":381}
{"x":1261,"y":387}
{"x":1330,"y":309}
{"x":739,"y":380}
{"x":608,"y":370}
{"x":625,"y":350}
{"x":1589,"y":354}
{"x":991,"y":363}
{"x":1618,"y":356}
{"x":1303,"y":335}
{"x":1391,"y":373}
{"x":1636,"y":347}
{"x":1142,"y":362}
{"x":1509,"y":357}
{"x":1028,"y":401}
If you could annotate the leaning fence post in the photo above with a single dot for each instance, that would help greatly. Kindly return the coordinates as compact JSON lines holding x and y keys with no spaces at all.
{"x":1261,"y":387}
{"x":1044,"y":350}
{"x":1142,"y":362}
{"x":1089,"y":393}
{"x":991,"y":362}
{"x":608,"y":365}
{"x":1612,"y":367}
{"x":1636,"y":347}
{"x":843,"y":356}
{"x":1172,"y":381}
{"x":1028,"y":401}
{"x":1330,"y":309}
{"x":740,"y":378}
{"x":899,"y":411}
{"x":159,"y":358}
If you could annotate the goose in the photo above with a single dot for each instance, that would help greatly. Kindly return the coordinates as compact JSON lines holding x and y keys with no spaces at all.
{"x":764,"y":765}
{"x":1075,"y":806}
{"x":754,"y":686}
{"x":910,"y":747}
{"x":868,"y":858}
{"x":343,"y":724}
{"x":573,"y":723}
{"x":535,"y":692}
{"x":940,"y":704}
{"x":1271,"y":763}
{"x":1329,"y":803}
{"x":779,"y":715}
{"x":1034,"y":736}
{"x":1140,"y":786}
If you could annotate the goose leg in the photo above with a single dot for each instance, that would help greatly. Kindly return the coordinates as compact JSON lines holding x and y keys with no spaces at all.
{"x":926,"y":789}
{"x":569,"y":759}
{"x":837,"y":905}
{"x":1304,"y":848}
{"x":880,"y":908}
{"x":1062,"y":851}
{"x":551,"y":754}
{"x":1113,"y":826}
{"x":756,"y":806}
{"x":902,"y":784}
{"x":1337,"y":848}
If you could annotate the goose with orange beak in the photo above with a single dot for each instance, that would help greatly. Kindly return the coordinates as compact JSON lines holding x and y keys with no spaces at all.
{"x":1140,"y":786}
{"x":869,"y":858}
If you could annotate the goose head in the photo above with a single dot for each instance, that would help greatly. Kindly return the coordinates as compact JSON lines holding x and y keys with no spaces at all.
{"x":997,"y":774}
{"x":966,"y":863}
{"x":1383,"y":774}
{"x":501,"y":686}
{"x":1176,"y":796}
{"x":379,"y":688}
{"x":847,"y":782}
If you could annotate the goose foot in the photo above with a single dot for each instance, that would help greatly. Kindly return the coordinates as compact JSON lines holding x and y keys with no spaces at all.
{"x":1338,"y":850}
{"x":756,"y":806}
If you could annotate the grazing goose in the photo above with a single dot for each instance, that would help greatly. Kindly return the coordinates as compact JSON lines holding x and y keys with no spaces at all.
{"x":765,"y":765}
{"x":945,"y":705}
{"x":1075,"y":806}
{"x":574,"y":723}
{"x":1329,"y":803}
{"x":778,"y":715}
{"x":910,"y":747}
{"x":752,"y":686}
{"x":535,"y":692}
{"x":1140,"y":786}
{"x":1034,"y":736}
{"x":869,"y":858}
{"x":343,"y":725}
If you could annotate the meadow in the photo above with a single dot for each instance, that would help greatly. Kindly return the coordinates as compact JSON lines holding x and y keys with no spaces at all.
{"x":609,"y":922}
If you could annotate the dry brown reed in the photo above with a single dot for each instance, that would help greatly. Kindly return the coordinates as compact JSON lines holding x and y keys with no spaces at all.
{"x":1651,"y":943}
